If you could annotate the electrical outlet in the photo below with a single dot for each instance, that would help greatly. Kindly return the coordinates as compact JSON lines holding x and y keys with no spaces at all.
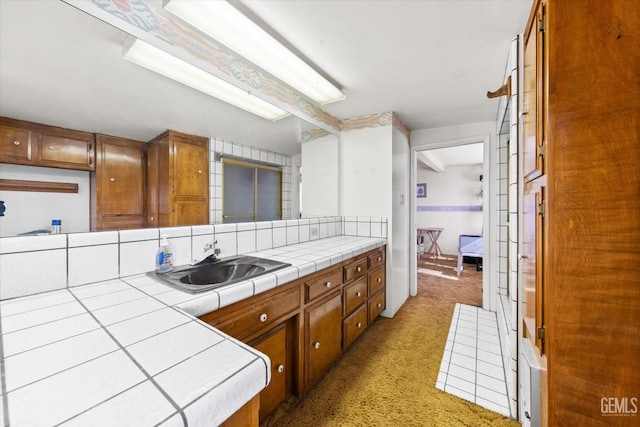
{"x":314,"y":231}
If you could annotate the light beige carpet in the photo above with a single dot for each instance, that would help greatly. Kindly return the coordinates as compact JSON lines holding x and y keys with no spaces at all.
{"x":387,"y":377}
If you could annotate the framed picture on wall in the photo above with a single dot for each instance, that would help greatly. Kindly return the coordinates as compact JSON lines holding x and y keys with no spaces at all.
{"x":422,"y":190}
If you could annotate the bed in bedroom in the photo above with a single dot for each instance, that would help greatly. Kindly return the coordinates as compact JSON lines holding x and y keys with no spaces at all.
{"x":469,"y":245}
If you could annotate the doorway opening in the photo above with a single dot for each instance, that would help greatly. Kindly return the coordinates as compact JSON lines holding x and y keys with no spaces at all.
{"x":450,"y":178}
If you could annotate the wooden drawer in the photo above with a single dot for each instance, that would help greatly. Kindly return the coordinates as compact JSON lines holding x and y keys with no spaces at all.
{"x":355,"y":270}
{"x":354,"y":325}
{"x":376,"y":281}
{"x":354,"y":295}
{"x":376,"y":305}
{"x":243,"y":320}
{"x":376,"y":260}
{"x":322,"y":284}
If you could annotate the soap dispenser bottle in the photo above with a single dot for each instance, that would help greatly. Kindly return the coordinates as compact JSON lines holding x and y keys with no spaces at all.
{"x":164,"y":257}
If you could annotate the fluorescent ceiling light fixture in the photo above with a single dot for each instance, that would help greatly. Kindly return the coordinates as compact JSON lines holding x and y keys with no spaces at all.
{"x":221,"y":21}
{"x":154,"y":59}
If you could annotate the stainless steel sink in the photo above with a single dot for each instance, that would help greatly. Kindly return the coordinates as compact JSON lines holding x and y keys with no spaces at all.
{"x":222,"y":272}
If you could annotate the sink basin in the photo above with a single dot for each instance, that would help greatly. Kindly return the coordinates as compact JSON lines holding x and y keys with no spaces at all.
{"x":222,"y":272}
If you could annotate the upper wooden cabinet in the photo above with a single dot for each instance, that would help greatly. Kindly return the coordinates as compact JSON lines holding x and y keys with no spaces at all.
{"x":534,"y":93}
{"x":580,"y":221}
{"x":177,"y":180}
{"x":35,"y":144}
{"x":119,"y":183}
{"x":15,"y":143}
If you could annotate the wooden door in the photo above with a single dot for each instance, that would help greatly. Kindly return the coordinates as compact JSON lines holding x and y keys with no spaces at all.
{"x":275,"y":345}
{"x":533,"y":298}
{"x":323,"y":335}
{"x":15,"y":144}
{"x":534,"y":95}
{"x":190,"y":159}
{"x":120,"y":183}
{"x":63,"y":148}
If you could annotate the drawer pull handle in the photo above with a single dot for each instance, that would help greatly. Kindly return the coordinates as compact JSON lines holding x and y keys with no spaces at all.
{"x":379,"y":259}
{"x":263,"y":317}
{"x":316,"y":345}
{"x":52,"y":147}
{"x":379,"y":279}
{"x":358,"y":294}
{"x":358,"y":269}
{"x":379,"y":305}
{"x":16,"y":142}
{"x":112,"y":179}
{"x":359,"y":325}
{"x":328,"y":284}
{"x":280,"y":369}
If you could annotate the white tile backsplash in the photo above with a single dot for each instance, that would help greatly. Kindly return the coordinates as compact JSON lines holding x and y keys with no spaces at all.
{"x":27,"y":273}
{"x":82,"y":258}
{"x":138,"y":257}
{"x":246,"y":241}
{"x":88,"y":264}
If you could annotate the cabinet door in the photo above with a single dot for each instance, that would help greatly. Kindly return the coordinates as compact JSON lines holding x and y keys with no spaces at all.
{"x":534,"y":97}
{"x":324,"y":335}
{"x":533,"y":272}
{"x":191,"y":170}
{"x":119,"y":183}
{"x":63,"y":148}
{"x":274,"y":345}
{"x":15,"y":144}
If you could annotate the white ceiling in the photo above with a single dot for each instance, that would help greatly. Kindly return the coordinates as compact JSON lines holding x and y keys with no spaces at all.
{"x":431,"y":62}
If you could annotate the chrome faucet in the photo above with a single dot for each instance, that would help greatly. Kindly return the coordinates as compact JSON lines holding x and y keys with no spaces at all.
{"x":209,"y":255}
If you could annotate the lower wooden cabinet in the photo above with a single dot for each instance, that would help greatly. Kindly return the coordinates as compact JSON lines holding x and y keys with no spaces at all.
{"x":323,"y":322}
{"x":303,"y":326}
{"x":277,"y":344}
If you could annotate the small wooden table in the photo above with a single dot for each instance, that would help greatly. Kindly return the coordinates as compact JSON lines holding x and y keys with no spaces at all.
{"x":433,"y":233}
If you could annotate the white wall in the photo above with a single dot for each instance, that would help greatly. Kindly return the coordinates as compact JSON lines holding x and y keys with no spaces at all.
{"x":450,"y":194}
{"x":296,"y":162}
{"x":28,"y":211}
{"x":366,"y":181}
{"x":374,"y":180}
{"x":321,"y":177}
{"x":401,"y":203}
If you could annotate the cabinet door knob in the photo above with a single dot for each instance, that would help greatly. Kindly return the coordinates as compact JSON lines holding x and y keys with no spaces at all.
{"x":112,"y":179}
{"x":379,"y":279}
{"x":359,"y":269}
{"x":280,"y":369}
{"x":328,"y":284}
{"x":16,"y":142}
{"x":358,"y":294}
{"x":151,"y":218}
{"x":52,"y":147}
{"x":379,"y":259}
{"x":359,"y":325}
{"x":263,"y":317}
{"x":199,"y":170}
{"x":316,"y":345}
{"x":378,"y":305}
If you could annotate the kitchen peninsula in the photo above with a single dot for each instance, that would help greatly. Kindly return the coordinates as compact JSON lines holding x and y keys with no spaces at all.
{"x":130,"y":350}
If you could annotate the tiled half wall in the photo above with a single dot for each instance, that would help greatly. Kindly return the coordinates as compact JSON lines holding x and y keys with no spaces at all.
{"x":35,"y":264}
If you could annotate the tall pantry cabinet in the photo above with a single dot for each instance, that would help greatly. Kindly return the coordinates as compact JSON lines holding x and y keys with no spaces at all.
{"x":118,"y":183}
{"x":177,"y":180}
{"x":581,"y":250}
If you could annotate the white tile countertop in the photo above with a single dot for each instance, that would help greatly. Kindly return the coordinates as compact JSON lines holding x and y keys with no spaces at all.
{"x":131,"y":352}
